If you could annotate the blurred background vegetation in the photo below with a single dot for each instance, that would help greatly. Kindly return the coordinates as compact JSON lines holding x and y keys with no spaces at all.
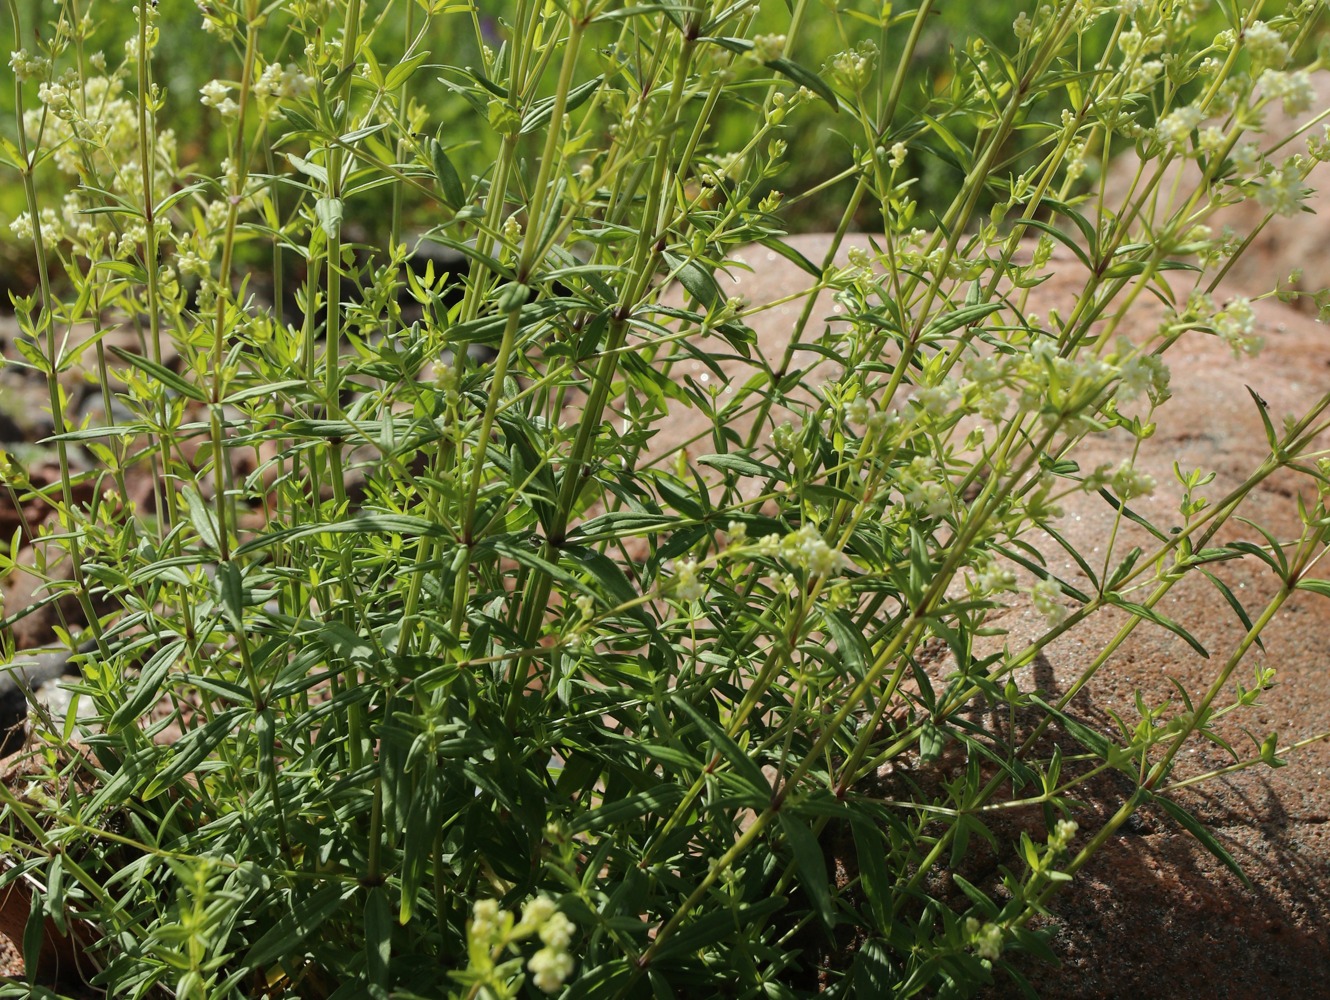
{"x":821,"y":143}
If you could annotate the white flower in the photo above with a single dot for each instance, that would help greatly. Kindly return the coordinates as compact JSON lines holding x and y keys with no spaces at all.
{"x":21,"y":227}
{"x":1063,"y":831}
{"x":1176,"y":126}
{"x":686,"y":584}
{"x":549,"y":968}
{"x":486,"y":920}
{"x":28,"y":67}
{"x":1236,"y":325}
{"x":216,"y":94}
{"x":768,"y":47}
{"x":1045,"y":596}
{"x":987,"y":938}
{"x":1282,"y":191}
{"x":1294,"y":89}
{"x":1129,"y":482}
{"x":1265,"y":45}
{"x":557,"y":932}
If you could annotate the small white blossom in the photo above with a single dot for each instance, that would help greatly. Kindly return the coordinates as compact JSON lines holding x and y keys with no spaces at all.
{"x":687,"y":587}
{"x":1265,"y":45}
{"x":1236,"y":325}
{"x":27,"y":66}
{"x":549,"y":967}
{"x":1129,"y":482}
{"x":768,"y":47}
{"x":1294,"y":89}
{"x":1063,"y":832}
{"x":216,"y":94}
{"x":1046,"y":597}
{"x":1176,"y":126}
{"x":1282,"y":191}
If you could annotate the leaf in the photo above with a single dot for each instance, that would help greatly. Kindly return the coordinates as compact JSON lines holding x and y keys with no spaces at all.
{"x":1321,"y":587}
{"x":1085,"y":736}
{"x":871,"y":852}
{"x":313,"y":170}
{"x":329,"y":212}
{"x":792,"y":255}
{"x":454,"y":195}
{"x":304,"y":916}
{"x":161,"y":373}
{"x":398,"y":74}
{"x":1150,"y":615}
{"x":1237,"y":607}
{"x":805,"y":78}
{"x":1263,"y":408}
{"x":1193,"y":826}
{"x":203,"y":518}
{"x":378,"y":936}
{"x":147,"y":687}
{"x":744,"y":467}
{"x":614,"y":814}
{"x":720,"y":741}
{"x":190,"y":750}
{"x":810,"y":863}
{"x":966,"y":316}
{"x":539,"y":115}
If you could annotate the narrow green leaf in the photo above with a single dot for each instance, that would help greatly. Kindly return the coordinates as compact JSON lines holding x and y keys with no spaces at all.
{"x":378,"y":936}
{"x":1153,"y":616}
{"x":161,"y":373}
{"x":146,"y":689}
{"x":203,"y":517}
{"x":966,"y":316}
{"x":329,"y":212}
{"x":810,"y":863}
{"x":1194,"y":826}
{"x":399,"y":74}
{"x":454,"y":195}
{"x":305,"y":915}
{"x":743,"y":764}
{"x":805,"y":78}
{"x":744,"y":466}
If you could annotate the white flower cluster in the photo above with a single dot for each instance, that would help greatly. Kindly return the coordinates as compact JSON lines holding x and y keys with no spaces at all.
{"x":27,"y":66}
{"x":493,"y":929}
{"x":217,"y":94}
{"x":923,"y":487}
{"x":1265,"y":45}
{"x":1176,"y":127}
{"x":1140,"y":374}
{"x":767,"y":47}
{"x":1046,"y":596}
{"x":1294,"y":89}
{"x":1235,"y":323}
{"x":1063,"y":832}
{"x":986,"y":938}
{"x":687,"y":586}
{"x":853,"y":68}
{"x":552,"y":964}
{"x":807,"y":549}
{"x":1129,"y":482}
{"x":1282,"y":191}
{"x":994,"y":579}
{"x":277,"y":81}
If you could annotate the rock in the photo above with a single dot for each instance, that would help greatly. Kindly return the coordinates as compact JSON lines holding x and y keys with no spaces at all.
{"x":33,"y":677}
